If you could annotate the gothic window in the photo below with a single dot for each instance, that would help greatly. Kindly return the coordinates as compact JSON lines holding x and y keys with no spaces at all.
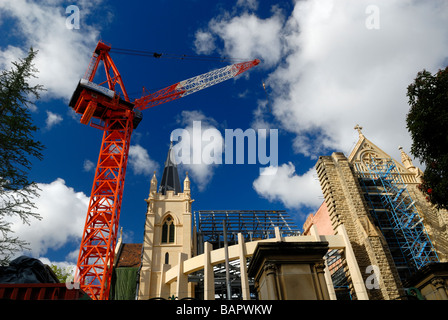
{"x":168,"y":230}
{"x":167,"y":258}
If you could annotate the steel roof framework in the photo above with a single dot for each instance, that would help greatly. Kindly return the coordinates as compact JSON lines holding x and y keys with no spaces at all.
{"x":253,"y":224}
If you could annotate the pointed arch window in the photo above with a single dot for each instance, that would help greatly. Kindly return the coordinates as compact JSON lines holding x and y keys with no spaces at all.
{"x":168,"y":230}
{"x":167,"y":258}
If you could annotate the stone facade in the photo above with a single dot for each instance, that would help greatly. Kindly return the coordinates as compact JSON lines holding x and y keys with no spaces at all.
{"x":435,"y":221}
{"x":345,"y":204}
{"x":167,"y":237}
{"x":290,"y":271}
{"x":431,"y":281}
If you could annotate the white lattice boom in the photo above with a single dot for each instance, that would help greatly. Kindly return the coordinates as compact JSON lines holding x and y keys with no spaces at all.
{"x":194,"y":84}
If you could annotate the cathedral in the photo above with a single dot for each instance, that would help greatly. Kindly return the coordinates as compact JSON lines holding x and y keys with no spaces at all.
{"x":392,"y":227}
{"x":375,"y":237}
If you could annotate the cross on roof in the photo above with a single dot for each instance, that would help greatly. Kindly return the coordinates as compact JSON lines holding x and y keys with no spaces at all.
{"x":359,"y":128}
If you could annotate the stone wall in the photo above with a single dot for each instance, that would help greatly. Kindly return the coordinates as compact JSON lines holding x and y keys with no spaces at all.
{"x":346,"y":205}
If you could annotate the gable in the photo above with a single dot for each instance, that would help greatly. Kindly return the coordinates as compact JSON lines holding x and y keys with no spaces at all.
{"x":365,"y":149}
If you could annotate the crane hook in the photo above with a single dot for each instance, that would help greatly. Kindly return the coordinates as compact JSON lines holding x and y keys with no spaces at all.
{"x":267,"y":98}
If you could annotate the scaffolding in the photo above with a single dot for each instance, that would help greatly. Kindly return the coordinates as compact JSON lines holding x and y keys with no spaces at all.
{"x":336,"y":266}
{"x":396,"y":216}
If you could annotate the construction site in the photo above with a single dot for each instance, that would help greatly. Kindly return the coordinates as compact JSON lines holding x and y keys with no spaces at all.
{"x":375,"y":237}
{"x":369,"y":240}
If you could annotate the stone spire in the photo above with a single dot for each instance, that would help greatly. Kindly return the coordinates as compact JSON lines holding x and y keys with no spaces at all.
{"x":153,"y":188}
{"x":406,"y":160}
{"x":187,"y":184}
{"x":170,"y":177}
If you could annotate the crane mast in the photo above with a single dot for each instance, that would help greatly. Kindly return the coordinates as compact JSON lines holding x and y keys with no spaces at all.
{"x":109,"y":109}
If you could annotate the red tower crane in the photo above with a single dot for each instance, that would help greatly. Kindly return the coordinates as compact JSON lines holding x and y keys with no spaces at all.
{"x":109,"y":109}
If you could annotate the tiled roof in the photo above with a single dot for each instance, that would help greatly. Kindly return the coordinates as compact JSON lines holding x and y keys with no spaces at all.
{"x":129,"y":255}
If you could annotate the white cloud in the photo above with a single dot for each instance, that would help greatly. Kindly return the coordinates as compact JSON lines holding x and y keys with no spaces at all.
{"x":330,"y":71}
{"x":204,"y":42}
{"x":286,"y":186}
{"x":63,"y":212}
{"x":63,"y":54}
{"x":245,"y":37}
{"x":249,"y":4}
{"x":339,"y":73}
{"x":88,"y":165}
{"x":52,"y":119}
{"x":140,"y":161}
{"x":9,"y":55}
{"x":197,"y":147}
{"x":69,"y":267}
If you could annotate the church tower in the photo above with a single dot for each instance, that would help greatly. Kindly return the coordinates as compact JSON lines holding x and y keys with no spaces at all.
{"x":168,"y":231}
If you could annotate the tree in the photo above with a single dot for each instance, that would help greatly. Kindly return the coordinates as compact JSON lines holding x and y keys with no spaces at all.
{"x":427,"y":122}
{"x":17,"y":147}
{"x":62,"y":273}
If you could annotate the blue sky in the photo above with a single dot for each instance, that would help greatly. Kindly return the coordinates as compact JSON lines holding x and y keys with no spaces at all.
{"x":327,"y":66}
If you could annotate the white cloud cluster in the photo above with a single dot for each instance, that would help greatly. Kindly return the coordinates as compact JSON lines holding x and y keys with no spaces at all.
{"x":245,"y":37}
{"x":193,"y":141}
{"x":204,"y":42}
{"x":285,"y":185}
{"x":249,"y":4}
{"x":52,"y":119}
{"x":63,"y":53}
{"x":63,"y":212}
{"x":88,"y":165}
{"x":338,"y":72}
{"x":140,"y":162}
{"x":333,"y":66}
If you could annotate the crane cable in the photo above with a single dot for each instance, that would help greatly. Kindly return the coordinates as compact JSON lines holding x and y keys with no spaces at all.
{"x":157,"y":55}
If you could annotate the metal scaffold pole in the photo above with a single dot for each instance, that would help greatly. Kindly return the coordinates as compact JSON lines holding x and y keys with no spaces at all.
{"x":395,"y":211}
{"x":226,"y":250}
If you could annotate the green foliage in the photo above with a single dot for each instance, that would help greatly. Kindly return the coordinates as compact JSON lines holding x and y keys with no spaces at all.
{"x":17,"y":148}
{"x":62,"y":273}
{"x":427,"y":122}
